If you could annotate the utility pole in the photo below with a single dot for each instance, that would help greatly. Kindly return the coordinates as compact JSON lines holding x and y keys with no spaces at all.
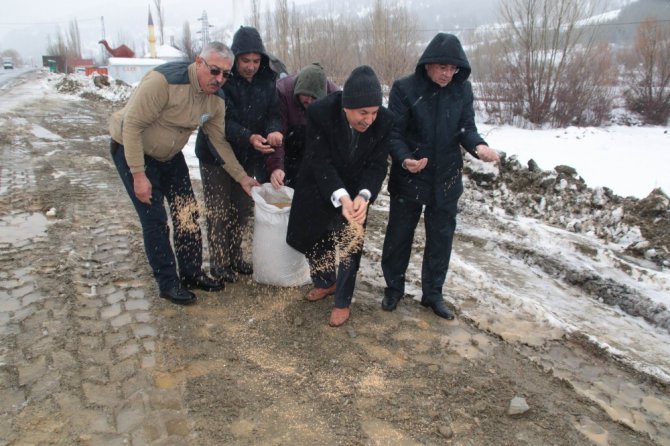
{"x":204,"y":30}
{"x":102,"y":49}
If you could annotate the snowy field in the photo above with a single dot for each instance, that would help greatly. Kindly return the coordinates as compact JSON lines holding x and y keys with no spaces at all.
{"x":631,"y":161}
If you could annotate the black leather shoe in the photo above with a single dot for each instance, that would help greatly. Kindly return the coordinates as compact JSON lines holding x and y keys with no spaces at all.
{"x":226,"y":274}
{"x":178,"y":295}
{"x":440,"y":308}
{"x":243,"y":267}
{"x":389,"y":303}
{"x":203,"y":282}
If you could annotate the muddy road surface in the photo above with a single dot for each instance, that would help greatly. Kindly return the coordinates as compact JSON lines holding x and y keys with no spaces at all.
{"x":89,"y":355}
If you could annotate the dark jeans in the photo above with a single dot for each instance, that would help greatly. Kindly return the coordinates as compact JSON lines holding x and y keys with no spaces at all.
{"x":321,"y":259}
{"x":440,"y":224}
{"x":228,"y":212}
{"x":169,"y":180}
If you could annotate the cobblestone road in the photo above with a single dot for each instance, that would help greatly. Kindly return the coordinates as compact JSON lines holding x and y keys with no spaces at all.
{"x":78,"y":334}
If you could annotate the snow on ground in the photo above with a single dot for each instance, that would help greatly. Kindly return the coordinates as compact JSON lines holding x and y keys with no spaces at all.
{"x":629,"y":160}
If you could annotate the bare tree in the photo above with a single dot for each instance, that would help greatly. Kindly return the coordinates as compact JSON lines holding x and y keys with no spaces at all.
{"x":187,"y":44}
{"x":648,"y":72}
{"x":57,"y":45}
{"x":390,"y":45}
{"x":385,"y":39}
{"x":67,"y":45}
{"x":295,"y":40}
{"x":541,"y":45}
{"x":160,"y":17}
{"x":255,"y":14}
{"x":74,"y":40}
{"x":281,"y":28}
{"x":586,"y":90}
{"x":333,"y":42}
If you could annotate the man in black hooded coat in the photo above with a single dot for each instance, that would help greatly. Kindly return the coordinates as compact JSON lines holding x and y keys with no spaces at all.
{"x":253,"y":130}
{"x":435,"y":118}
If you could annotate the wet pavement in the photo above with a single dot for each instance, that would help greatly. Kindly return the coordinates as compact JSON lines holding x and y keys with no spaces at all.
{"x":78,"y":337}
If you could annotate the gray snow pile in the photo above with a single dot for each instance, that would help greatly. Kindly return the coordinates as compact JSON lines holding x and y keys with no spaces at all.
{"x":96,"y":87}
{"x":561,"y":197}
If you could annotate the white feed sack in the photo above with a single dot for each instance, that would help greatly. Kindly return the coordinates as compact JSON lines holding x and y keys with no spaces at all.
{"x":275,"y":262}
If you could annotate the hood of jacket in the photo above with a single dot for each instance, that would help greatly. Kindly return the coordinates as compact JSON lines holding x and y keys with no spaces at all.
{"x":246,"y":40}
{"x":445,"y":49}
{"x":311,"y":81}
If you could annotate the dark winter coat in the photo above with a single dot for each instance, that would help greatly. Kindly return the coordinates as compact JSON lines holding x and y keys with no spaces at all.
{"x":251,"y":107}
{"x":328,"y":166}
{"x":292,"y":118}
{"x":433,"y":122}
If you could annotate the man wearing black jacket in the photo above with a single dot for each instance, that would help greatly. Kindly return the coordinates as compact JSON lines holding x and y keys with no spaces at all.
{"x":344,"y":165}
{"x":435,"y":118}
{"x":253,"y":130}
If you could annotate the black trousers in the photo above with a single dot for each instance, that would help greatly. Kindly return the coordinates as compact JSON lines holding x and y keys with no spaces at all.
{"x":169,"y":181}
{"x":440,"y":225}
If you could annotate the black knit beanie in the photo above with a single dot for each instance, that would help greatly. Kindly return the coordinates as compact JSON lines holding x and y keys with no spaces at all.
{"x":311,"y":81}
{"x":362,"y":89}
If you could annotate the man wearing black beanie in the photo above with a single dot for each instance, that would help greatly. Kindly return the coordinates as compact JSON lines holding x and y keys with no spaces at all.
{"x":342,"y":172}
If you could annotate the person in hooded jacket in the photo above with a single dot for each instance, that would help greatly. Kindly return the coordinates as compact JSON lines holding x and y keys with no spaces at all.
{"x":296,"y":93}
{"x":253,"y":130}
{"x":345,"y":163}
{"x":435,"y":118}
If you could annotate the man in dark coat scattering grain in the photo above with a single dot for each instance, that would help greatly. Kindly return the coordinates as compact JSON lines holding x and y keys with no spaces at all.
{"x":435,"y":118}
{"x":344,"y":165}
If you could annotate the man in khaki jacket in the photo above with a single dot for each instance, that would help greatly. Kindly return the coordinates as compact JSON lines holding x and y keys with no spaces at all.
{"x":148,"y":136}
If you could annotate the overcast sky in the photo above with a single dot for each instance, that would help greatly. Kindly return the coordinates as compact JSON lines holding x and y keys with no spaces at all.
{"x":26,"y":27}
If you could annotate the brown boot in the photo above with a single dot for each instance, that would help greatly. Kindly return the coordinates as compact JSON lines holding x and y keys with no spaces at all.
{"x":339,"y":316}
{"x":320,"y":293}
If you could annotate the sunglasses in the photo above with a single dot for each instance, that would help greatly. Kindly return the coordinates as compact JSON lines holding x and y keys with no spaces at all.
{"x":215,"y":71}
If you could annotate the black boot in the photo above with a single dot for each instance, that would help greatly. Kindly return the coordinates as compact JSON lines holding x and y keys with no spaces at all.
{"x":243,"y":267}
{"x":178,"y":295}
{"x":440,"y":308}
{"x":225,"y":274}
{"x":390,"y":302}
{"x":203,"y":282}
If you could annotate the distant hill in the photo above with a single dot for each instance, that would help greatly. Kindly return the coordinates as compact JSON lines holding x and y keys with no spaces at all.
{"x":457,"y":16}
{"x":621,"y":30}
